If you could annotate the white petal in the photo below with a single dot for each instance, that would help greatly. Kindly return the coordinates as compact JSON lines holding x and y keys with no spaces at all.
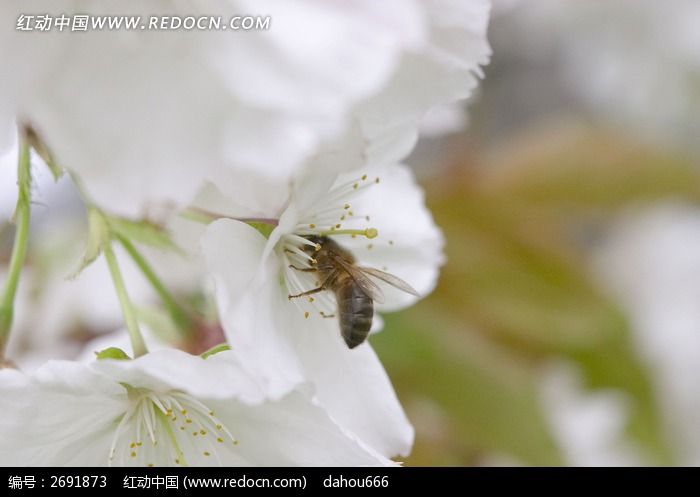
{"x":216,"y":377}
{"x":293,"y":432}
{"x":62,"y":416}
{"x":354,"y":387}
{"x":443,"y":71}
{"x":409,"y":244}
{"x":248,"y":292}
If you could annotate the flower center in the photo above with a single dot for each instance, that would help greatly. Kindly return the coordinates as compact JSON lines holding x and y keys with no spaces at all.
{"x":166,"y":429}
{"x":332,"y":215}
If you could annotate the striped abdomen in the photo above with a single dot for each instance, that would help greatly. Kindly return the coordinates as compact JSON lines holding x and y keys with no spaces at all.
{"x":355,"y":311}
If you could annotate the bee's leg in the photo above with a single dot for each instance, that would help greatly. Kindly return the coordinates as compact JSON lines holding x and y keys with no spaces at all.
{"x":324,"y":315}
{"x":309,"y":292}
{"x":303,"y":269}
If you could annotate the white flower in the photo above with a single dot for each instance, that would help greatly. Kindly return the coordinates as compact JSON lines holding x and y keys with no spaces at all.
{"x":651,"y":263}
{"x":282,"y":340}
{"x":611,"y":59}
{"x":143,"y":116}
{"x":588,"y":426}
{"x":166,"y":408}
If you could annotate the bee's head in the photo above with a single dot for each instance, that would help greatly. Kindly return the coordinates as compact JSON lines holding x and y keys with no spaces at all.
{"x":318,"y":242}
{"x":316,"y":239}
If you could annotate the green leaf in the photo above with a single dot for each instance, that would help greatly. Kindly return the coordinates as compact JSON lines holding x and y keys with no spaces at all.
{"x":56,"y":170}
{"x":143,"y":232}
{"x":43,"y":151}
{"x":98,"y":235}
{"x":113,"y":353}
{"x":215,"y":350}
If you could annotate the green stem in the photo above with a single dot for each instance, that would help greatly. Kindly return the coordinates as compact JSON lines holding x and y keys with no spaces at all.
{"x":128,"y":310}
{"x":19,"y":250}
{"x":179,"y":316}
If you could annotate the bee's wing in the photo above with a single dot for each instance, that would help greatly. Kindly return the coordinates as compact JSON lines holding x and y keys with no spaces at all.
{"x":391,"y":279}
{"x":368,"y":286}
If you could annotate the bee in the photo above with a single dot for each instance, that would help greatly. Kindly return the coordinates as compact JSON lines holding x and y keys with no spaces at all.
{"x":355,"y":292}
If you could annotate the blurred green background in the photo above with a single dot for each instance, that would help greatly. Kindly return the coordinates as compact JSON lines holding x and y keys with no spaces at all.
{"x":525,"y":196}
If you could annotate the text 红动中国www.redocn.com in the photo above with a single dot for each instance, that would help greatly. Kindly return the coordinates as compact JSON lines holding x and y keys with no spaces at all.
{"x":84,"y":22}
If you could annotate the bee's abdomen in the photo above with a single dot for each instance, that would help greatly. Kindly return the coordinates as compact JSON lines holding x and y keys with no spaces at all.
{"x":355,"y":311}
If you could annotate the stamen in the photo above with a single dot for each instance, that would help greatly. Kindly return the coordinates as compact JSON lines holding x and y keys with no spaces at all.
{"x":152,"y":413}
{"x":368,"y":232}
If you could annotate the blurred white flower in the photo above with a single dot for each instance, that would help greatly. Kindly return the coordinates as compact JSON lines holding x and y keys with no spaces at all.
{"x":56,"y":313}
{"x":589,"y":427}
{"x":651,"y":263}
{"x":144,"y":116}
{"x":166,"y":408}
{"x":283,"y":341}
{"x":620,"y":59}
